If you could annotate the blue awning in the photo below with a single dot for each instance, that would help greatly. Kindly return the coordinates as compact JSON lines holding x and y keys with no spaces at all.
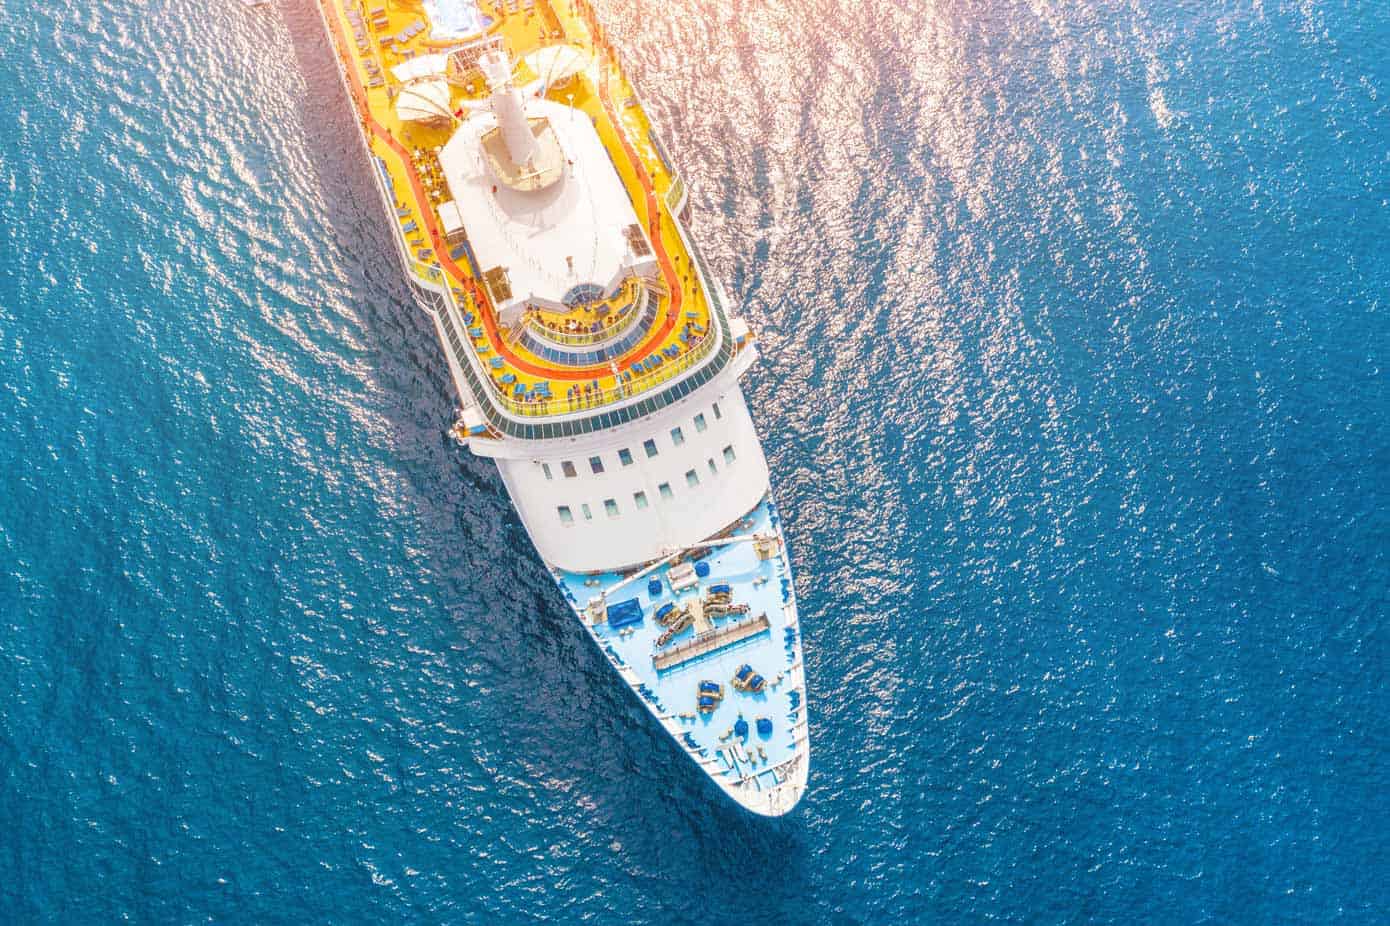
{"x":624,"y":613}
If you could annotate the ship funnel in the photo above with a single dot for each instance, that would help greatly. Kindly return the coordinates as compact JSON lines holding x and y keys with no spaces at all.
{"x":509,"y":106}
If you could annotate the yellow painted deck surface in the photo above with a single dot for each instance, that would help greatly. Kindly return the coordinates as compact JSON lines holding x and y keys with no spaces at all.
{"x":407,"y":150}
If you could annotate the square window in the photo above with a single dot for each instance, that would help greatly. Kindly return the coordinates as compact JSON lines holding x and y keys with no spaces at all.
{"x":545,"y":468}
{"x":714,"y":470}
{"x":665,"y":490}
{"x":700,"y":422}
{"x":568,"y":469}
{"x":625,"y":457}
{"x":639,"y":499}
{"x":677,"y":437}
{"x":692,"y":478}
{"x":566,"y":516}
{"x":588,"y":515}
{"x":650,"y":447}
{"x":729,"y":455}
{"x":596,"y":464}
{"x":717,"y":415}
{"x":610,"y":507}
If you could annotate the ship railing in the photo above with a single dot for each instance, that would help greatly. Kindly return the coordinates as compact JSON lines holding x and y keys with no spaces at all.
{"x":598,"y":398}
{"x":606,"y":333}
{"x":553,"y":417}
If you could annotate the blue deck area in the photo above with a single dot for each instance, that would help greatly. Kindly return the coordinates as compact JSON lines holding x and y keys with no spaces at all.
{"x":672,"y":694}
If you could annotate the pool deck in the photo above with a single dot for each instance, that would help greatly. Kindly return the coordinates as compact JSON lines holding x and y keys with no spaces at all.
{"x":766,"y":774}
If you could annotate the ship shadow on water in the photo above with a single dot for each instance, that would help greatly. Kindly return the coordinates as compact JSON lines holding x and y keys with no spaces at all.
{"x":578,"y":744}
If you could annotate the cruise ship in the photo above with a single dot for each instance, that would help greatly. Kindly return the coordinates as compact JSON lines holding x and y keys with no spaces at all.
{"x":546,"y":233}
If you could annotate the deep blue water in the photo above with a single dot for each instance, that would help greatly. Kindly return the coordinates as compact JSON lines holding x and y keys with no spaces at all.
{"x":1074,"y":318}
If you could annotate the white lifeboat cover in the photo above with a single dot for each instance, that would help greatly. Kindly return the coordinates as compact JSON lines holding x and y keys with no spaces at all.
{"x":423,"y":101}
{"x":423,"y":66}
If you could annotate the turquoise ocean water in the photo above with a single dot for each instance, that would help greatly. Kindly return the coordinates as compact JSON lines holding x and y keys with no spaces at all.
{"x":1074,"y":319}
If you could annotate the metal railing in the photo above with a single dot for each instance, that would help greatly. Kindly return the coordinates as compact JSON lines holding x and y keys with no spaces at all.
{"x":585,"y":338}
{"x":598,"y":398}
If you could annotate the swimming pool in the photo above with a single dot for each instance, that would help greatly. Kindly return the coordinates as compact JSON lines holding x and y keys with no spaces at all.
{"x":455,"y":19}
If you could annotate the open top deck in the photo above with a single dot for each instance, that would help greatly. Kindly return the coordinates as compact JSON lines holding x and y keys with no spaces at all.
{"x":711,"y":643}
{"x":417,"y":70}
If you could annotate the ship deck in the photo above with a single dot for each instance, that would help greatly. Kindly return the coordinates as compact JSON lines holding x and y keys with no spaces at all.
{"x":762,"y":770}
{"x":556,"y":364}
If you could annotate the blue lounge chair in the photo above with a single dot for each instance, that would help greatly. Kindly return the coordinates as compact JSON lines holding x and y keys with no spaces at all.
{"x":708,"y":687}
{"x":624,"y":614}
{"x":653,"y":587}
{"x":764,"y":726}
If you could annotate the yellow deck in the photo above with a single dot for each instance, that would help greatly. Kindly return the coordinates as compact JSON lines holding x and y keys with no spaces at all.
{"x":408,"y":152}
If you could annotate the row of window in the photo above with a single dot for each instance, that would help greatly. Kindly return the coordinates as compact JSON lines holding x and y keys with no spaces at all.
{"x":639,"y":499}
{"x":570,"y":471}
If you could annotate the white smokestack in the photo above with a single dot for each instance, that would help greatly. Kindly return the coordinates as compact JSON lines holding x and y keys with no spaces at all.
{"x":509,"y":106}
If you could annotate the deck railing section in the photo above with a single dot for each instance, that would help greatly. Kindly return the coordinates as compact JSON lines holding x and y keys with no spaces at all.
{"x":636,"y":301}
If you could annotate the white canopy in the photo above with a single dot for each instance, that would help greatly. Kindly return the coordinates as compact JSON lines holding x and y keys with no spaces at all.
{"x":451,"y":218}
{"x":424,"y":101}
{"x":555,"y":64}
{"x":423,"y":66}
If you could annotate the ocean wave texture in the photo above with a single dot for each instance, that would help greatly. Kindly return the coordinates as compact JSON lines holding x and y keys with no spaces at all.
{"x":1074,"y":318}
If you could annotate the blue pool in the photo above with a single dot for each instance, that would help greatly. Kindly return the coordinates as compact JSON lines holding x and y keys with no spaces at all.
{"x":455,"y":19}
